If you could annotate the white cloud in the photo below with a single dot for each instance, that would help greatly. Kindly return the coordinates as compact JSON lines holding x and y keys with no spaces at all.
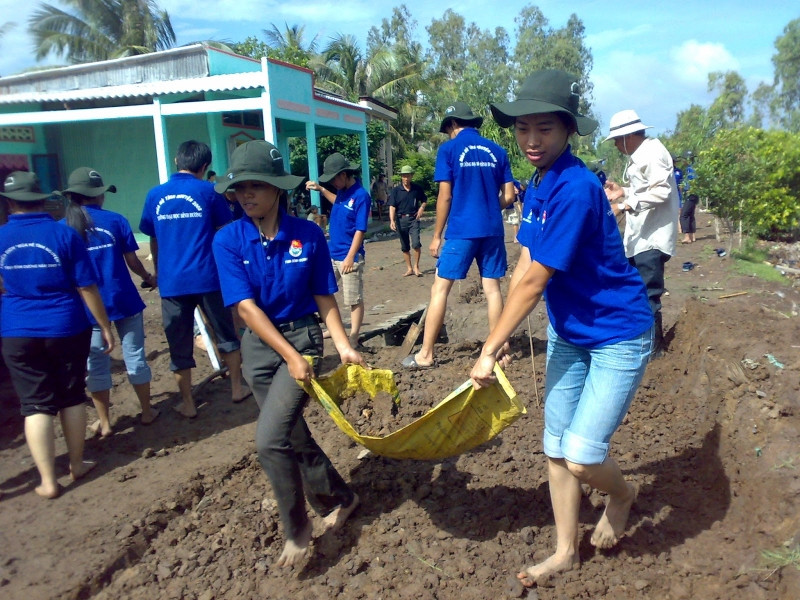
{"x":693,"y":61}
{"x":609,"y":39}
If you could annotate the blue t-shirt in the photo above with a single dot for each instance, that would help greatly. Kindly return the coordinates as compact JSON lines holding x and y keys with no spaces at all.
{"x":183,"y":214}
{"x":110,"y":239}
{"x":42,"y":262}
{"x":283,"y":275}
{"x":595,"y":297}
{"x":477,"y":169}
{"x":350,"y":213}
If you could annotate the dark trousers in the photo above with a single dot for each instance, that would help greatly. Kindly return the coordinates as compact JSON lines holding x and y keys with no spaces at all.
{"x":650,"y":265}
{"x":48,"y":374}
{"x":295,"y":465}
{"x":408,"y":230}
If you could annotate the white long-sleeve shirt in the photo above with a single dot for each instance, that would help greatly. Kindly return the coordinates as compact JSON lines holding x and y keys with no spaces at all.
{"x":653,"y":197}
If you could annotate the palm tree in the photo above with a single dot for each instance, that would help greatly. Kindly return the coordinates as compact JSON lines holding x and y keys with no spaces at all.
{"x":100,"y":29}
{"x":290,"y":45}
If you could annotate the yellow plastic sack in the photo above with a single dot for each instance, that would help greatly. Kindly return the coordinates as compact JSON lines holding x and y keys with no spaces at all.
{"x":465,"y":419}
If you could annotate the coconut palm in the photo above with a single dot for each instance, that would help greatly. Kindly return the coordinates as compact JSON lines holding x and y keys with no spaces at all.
{"x":290,"y":45}
{"x":100,"y":29}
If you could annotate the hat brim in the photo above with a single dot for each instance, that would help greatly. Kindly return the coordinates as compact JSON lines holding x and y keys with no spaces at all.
{"x":476,"y":122}
{"x":91,"y":192}
{"x":505,"y":113}
{"x":283,"y":182}
{"x":25,"y":196}
{"x":628,"y":130}
{"x":350,"y":167}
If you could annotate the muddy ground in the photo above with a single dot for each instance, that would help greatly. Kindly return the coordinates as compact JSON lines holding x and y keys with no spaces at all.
{"x":181,"y":510}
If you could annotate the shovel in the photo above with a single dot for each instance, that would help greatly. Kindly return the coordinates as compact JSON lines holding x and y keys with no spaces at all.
{"x":413,"y":334}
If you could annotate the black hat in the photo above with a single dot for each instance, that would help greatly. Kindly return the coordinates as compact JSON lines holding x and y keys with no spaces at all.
{"x":545,"y":91}
{"x":460,"y":111}
{"x":335,"y":164}
{"x":23,"y":186}
{"x":87,"y":182}
{"x":257,"y":160}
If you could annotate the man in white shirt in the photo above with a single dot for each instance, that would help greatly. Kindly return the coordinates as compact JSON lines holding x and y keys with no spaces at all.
{"x":650,"y":203}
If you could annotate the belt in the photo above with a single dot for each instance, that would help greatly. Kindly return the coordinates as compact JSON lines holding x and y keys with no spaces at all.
{"x":306,"y":321}
{"x":408,"y":214}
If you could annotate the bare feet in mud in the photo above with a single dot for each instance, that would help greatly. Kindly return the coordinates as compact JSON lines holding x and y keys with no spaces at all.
{"x":48,"y":492}
{"x":187,"y":410}
{"x":340,"y":514}
{"x":81,"y":470}
{"x":295,"y":551}
{"x":97,"y":429}
{"x":545,"y":569}
{"x":150,"y":416}
{"x":611,"y":527}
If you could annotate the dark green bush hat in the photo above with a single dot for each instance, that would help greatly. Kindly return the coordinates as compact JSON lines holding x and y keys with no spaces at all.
{"x":335,"y":164}
{"x":462,"y":112}
{"x":23,"y":186}
{"x":545,"y":92}
{"x":257,"y":160}
{"x":87,"y":182}
{"x":406,"y":170}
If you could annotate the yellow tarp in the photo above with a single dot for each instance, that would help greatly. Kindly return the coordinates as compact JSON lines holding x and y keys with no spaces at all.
{"x":465,"y":419}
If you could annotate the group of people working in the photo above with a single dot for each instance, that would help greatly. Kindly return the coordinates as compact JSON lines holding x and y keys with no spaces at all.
{"x":279,"y":274}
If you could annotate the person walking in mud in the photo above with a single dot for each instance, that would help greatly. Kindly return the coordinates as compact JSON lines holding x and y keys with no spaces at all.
{"x":48,"y":281}
{"x":601,"y":325}
{"x":181,"y":217}
{"x":406,"y":205}
{"x":475,"y":185}
{"x":650,"y":204}
{"x":347,"y":229}
{"x":276,"y":271}
{"x":112,"y":249}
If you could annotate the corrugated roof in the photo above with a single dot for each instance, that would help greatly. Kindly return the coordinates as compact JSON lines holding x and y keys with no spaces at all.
{"x":214,"y":83}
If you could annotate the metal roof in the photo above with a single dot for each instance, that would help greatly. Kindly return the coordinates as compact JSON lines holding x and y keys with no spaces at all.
{"x":213,"y":83}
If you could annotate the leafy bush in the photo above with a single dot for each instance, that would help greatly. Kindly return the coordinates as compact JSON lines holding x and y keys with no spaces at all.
{"x":751,"y":177}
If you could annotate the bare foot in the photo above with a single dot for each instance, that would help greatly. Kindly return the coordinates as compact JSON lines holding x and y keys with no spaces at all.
{"x":551,"y":566}
{"x":422,"y":363}
{"x":611,"y":526}
{"x":149,"y":416}
{"x":418,"y":273}
{"x":97,"y":429}
{"x":243,"y":394}
{"x":408,"y":273}
{"x":336,"y":519}
{"x":80,"y":472}
{"x":295,"y":550}
{"x":187,"y":410}
{"x":49,"y":492}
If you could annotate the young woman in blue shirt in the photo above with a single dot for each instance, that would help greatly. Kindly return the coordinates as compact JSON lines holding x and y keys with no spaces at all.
{"x":601,"y":326}
{"x":47,"y":278}
{"x":112,"y":249}
{"x":276,"y":271}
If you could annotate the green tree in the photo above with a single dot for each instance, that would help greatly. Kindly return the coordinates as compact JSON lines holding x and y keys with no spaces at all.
{"x":95,"y":30}
{"x":290,"y":45}
{"x":750,"y":180}
{"x":728,"y":108}
{"x":786,"y":105}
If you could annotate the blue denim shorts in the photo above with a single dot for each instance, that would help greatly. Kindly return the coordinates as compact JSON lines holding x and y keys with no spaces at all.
{"x":457,"y":255}
{"x":131,"y":335}
{"x":587,"y":394}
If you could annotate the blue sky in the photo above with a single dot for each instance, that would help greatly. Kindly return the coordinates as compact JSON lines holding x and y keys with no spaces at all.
{"x":650,"y":56}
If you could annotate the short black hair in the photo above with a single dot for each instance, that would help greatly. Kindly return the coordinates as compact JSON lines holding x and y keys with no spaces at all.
{"x":192,"y":156}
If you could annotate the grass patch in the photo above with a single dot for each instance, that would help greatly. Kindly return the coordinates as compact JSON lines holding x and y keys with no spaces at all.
{"x":750,"y":260}
{"x":775,"y":560}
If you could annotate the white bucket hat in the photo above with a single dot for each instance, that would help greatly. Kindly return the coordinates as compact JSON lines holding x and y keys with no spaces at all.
{"x":625,"y":122}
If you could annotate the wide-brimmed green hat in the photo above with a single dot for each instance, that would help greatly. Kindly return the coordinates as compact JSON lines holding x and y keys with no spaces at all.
{"x":406,"y":170}
{"x":335,"y":164}
{"x":460,"y":111}
{"x":87,"y":182}
{"x":23,"y":186}
{"x":257,"y":160}
{"x":545,"y":91}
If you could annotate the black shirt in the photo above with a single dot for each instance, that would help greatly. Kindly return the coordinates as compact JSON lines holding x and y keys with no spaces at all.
{"x":407,"y":202}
